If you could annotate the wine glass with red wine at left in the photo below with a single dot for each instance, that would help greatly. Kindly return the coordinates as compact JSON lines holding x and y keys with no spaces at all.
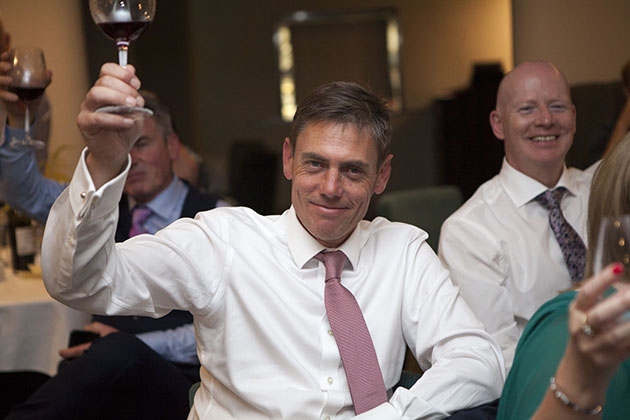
{"x":123,"y":21}
{"x":29,"y":79}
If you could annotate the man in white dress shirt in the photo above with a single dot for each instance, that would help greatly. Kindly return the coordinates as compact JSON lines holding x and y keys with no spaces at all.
{"x":499,"y":247}
{"x":252,"y":282}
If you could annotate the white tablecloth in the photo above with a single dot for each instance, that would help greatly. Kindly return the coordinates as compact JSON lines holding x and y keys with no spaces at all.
{"x":33,"y":326}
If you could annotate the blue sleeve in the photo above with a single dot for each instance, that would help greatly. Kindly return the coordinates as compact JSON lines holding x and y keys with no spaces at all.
{"x":177,"y":345}
{"x":22,"y":185}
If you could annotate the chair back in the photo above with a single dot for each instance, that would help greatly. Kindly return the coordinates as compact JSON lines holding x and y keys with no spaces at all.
{"x":426,"y":208}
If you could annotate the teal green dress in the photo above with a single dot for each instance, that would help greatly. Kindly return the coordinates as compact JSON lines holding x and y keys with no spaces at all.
{"x":537,"y":356}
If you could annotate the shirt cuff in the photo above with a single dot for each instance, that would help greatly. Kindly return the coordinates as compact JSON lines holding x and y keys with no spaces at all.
{"x":155,"y":340}
{"x":84,"y":197}
{"x":177,"y":345}
{"x":384,"y":411}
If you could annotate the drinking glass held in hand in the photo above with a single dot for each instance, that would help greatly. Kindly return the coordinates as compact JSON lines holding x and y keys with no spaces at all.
{"x":613,"y":246}
{"x":29,"y":79}
{"x":613,"y":243}
{"x":123,"y":21}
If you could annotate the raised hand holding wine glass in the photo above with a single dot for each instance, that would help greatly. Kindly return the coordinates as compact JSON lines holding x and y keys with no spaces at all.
{"x":123,"y":21}
{"x":29,"y":79}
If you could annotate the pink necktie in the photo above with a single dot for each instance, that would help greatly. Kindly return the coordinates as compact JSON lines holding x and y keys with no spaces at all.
{"x":365,"y":379}
{"x":139,"y":215}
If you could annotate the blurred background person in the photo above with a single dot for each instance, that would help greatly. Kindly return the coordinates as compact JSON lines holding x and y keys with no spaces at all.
{"x":488,"y":243}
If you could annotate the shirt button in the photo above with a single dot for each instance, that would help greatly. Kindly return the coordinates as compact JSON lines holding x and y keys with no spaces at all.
{"x":330,"y":380}
{"x":327,"y":418}
{"x":330,"y":332}
{"x":83,"y":194}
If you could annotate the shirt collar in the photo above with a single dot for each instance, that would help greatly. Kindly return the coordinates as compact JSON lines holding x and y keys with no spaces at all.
{"x":303,"y":246}
{"x":166,"y":202}
{"x":522,"y":189}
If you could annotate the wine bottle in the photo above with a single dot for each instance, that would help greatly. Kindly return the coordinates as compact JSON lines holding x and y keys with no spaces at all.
{"x":22,"y":240}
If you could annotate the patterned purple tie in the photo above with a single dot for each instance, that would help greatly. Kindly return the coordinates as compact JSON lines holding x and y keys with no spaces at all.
{"x":139,"y":215}
{"x":571,"y":244}
{"x":365,"y":379}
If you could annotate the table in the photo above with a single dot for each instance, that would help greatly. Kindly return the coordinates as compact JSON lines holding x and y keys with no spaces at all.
{"x":33,"y":326}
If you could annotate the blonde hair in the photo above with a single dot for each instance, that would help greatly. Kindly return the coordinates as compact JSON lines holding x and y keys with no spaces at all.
{"x":610,"y":193}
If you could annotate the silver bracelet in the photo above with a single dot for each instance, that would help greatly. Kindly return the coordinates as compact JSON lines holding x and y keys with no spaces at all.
{"x":562,"y":397}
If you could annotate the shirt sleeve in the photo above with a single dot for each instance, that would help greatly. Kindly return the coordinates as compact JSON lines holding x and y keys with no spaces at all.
{"x":177,"y":345}
{"x":463,"y":366}
{"x":479,"y":266}
{"x":147,"y":275}
{"x":22,"y":185}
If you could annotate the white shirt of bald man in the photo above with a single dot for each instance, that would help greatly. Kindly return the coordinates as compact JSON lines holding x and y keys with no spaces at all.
{"x":503,"y":255}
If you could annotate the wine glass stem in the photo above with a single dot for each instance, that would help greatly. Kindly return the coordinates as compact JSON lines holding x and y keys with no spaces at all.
{"x":27,"y":123}
{"x":123,"y":47}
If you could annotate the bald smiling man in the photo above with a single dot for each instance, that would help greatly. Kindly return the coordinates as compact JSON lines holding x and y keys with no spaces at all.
{"x":499,"y":246}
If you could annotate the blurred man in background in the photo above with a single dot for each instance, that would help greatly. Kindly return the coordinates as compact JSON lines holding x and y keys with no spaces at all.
{"x":501,"y":247}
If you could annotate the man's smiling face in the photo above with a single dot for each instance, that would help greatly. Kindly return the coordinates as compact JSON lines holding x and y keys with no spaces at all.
{"x":536,"y":118}
{"x":334,"y":171}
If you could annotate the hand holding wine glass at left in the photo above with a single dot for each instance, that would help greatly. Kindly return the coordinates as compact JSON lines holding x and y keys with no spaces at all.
{"x":24,"y":78}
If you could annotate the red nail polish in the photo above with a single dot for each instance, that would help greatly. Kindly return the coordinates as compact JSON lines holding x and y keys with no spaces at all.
{"x":618,"y":268}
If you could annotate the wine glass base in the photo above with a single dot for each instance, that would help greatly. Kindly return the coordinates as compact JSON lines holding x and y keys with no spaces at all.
{"x":27,"y":144}
{"x":134,"y":112}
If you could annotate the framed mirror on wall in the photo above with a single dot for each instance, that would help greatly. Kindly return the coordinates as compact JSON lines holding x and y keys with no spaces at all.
{"x":314,"y":48}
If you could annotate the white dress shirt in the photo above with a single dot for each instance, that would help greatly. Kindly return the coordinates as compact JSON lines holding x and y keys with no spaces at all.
{"x":502,"y":253}
{"x":257,"y":297}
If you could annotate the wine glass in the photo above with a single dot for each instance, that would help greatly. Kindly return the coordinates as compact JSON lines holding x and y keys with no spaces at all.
{"x":613,"y":246}
{"x":123,"y":21}
{"x":29,"y":79}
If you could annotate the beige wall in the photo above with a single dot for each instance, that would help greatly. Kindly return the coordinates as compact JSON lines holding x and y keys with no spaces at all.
{"x":589,"y":40}
{"x":441,"y":41}
{"x":55,"y":26}
{"x":444,"y":38}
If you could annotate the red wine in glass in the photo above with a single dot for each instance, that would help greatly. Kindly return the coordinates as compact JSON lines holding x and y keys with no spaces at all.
{"x":123,"y":31}
{"x":123,"y":21}
{"x":27,"y":93}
